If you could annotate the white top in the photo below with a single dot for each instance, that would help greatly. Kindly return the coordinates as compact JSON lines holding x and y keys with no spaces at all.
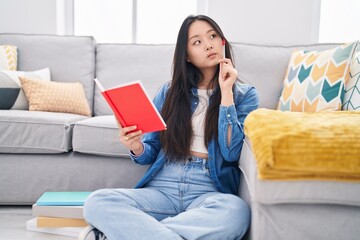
{"x":198,"y":122}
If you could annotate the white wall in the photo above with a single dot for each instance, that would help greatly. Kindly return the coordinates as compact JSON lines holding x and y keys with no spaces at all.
{"x":340,"y":21}
{"x":268,"y":21}
{"x":255,"y":21}
{"x":28,"y":16}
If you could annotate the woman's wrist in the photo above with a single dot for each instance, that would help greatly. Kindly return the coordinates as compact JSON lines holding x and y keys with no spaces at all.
{"x":227,"y":98}
{"x":138,"y":151}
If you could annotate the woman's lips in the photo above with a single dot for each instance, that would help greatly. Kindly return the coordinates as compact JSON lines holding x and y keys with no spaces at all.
{"x":211,"y":55}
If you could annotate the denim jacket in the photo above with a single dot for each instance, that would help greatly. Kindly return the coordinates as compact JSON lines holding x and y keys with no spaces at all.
{"x":222,"y":157}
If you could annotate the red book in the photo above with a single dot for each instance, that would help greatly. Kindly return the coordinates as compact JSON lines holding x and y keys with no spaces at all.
{"x":132,"y":106}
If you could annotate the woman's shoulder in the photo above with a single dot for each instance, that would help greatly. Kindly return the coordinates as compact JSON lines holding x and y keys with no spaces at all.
{"x":244,"y":92}
{"x":163,"y":90}
{"x":243,"y":88}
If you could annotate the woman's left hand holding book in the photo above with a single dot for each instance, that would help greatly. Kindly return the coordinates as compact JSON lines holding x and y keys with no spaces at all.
{"x":131,"y":138}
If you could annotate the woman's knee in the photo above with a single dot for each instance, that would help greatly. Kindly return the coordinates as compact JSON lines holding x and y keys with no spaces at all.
{"x":94,"y":202}
{"x":241,"y":215}
{"x":236,"y":213}
{"x":238,"y":206}
{"x":106,"y":200}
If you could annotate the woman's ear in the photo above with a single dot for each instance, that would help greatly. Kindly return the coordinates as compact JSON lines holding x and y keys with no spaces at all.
{"x":188,"y":60}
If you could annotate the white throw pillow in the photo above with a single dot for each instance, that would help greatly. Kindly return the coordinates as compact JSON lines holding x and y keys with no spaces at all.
{"x":352,"y":86}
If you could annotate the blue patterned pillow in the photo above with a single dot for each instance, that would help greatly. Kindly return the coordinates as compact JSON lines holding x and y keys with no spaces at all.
{"x":11,"y":94}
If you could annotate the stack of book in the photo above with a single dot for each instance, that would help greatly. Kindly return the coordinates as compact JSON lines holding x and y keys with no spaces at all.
{"x":59,"y":213}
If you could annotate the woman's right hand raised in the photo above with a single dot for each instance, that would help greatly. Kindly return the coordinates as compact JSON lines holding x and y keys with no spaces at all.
{"x":131,"y":139}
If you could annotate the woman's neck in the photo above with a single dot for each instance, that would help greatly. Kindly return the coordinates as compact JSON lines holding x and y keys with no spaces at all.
{"x":205,"y":82}
{"x":203,"y":85}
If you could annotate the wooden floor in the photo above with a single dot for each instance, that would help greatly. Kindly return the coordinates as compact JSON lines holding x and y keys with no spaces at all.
{"x":13,"y":225}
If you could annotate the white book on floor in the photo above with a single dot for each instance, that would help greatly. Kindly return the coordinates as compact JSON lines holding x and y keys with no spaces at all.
{"x":64,"y":231}
{"x":58,"y":211}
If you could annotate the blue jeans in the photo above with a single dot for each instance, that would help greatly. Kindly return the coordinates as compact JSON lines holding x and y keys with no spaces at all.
{"x":181,"y":202}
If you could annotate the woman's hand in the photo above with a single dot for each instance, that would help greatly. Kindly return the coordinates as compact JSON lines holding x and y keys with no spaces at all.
{"x":227,"y":78}
{"x":131,"y":139}
{"x":227,"y":74}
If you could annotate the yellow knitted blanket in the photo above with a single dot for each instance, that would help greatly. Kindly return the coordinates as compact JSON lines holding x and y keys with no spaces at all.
{"x":297,"y":145}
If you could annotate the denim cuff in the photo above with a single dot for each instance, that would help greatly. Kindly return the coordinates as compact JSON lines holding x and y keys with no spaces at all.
{"x":228,"y":114}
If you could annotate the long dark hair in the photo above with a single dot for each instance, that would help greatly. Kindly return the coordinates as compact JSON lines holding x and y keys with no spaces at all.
{"x":176,"y":110}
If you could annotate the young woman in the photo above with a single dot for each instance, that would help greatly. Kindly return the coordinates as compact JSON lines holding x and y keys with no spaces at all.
{"x":190,"y":190}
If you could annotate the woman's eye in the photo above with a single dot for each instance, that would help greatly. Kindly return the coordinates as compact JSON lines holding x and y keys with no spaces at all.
{"x":213,"y":36}
{"x":197,"y":42}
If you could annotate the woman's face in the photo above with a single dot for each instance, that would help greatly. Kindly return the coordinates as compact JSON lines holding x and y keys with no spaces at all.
{"x":204,"y":45}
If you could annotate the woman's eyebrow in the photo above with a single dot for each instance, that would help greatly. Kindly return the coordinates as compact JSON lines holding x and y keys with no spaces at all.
{"x":193,"y":37}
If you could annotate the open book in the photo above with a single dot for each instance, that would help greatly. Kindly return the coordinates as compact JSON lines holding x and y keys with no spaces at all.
{"x":132,"y":106}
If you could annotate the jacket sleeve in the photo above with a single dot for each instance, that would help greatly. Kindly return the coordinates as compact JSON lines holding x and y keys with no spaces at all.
{"x":234,"y":116}
{"x":151,"y":141}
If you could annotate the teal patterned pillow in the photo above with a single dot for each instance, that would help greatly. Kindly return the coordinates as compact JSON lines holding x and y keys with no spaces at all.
{"x":315,"y":80}
{"x":11,"y":94}
{"x":352,"y":86}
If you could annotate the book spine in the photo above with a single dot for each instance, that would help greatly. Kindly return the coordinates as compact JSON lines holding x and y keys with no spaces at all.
{"x":64,"y":231}
{"x":58,"y":211}
{"x":60,"y":222}
{"x":115,"y":110}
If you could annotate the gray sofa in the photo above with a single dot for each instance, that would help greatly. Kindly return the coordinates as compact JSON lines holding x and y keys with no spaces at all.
{"x":45,"y":151}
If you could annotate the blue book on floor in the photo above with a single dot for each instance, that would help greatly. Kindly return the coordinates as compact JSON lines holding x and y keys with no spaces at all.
{"x":62,"y":199}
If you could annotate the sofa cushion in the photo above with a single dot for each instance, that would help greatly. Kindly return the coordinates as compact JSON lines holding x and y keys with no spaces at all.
{"x":36,"y":132}
{"x":315,"y":80}
{"x":352,"y":87}
{"x":8,"y":57}
{"x":70,"y":58}
{"x":55,"y":96}
{"x":11,"y":94}
{"x":98,"y":135}
{"x":121,"y":63}
{"x":292,"y":191}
